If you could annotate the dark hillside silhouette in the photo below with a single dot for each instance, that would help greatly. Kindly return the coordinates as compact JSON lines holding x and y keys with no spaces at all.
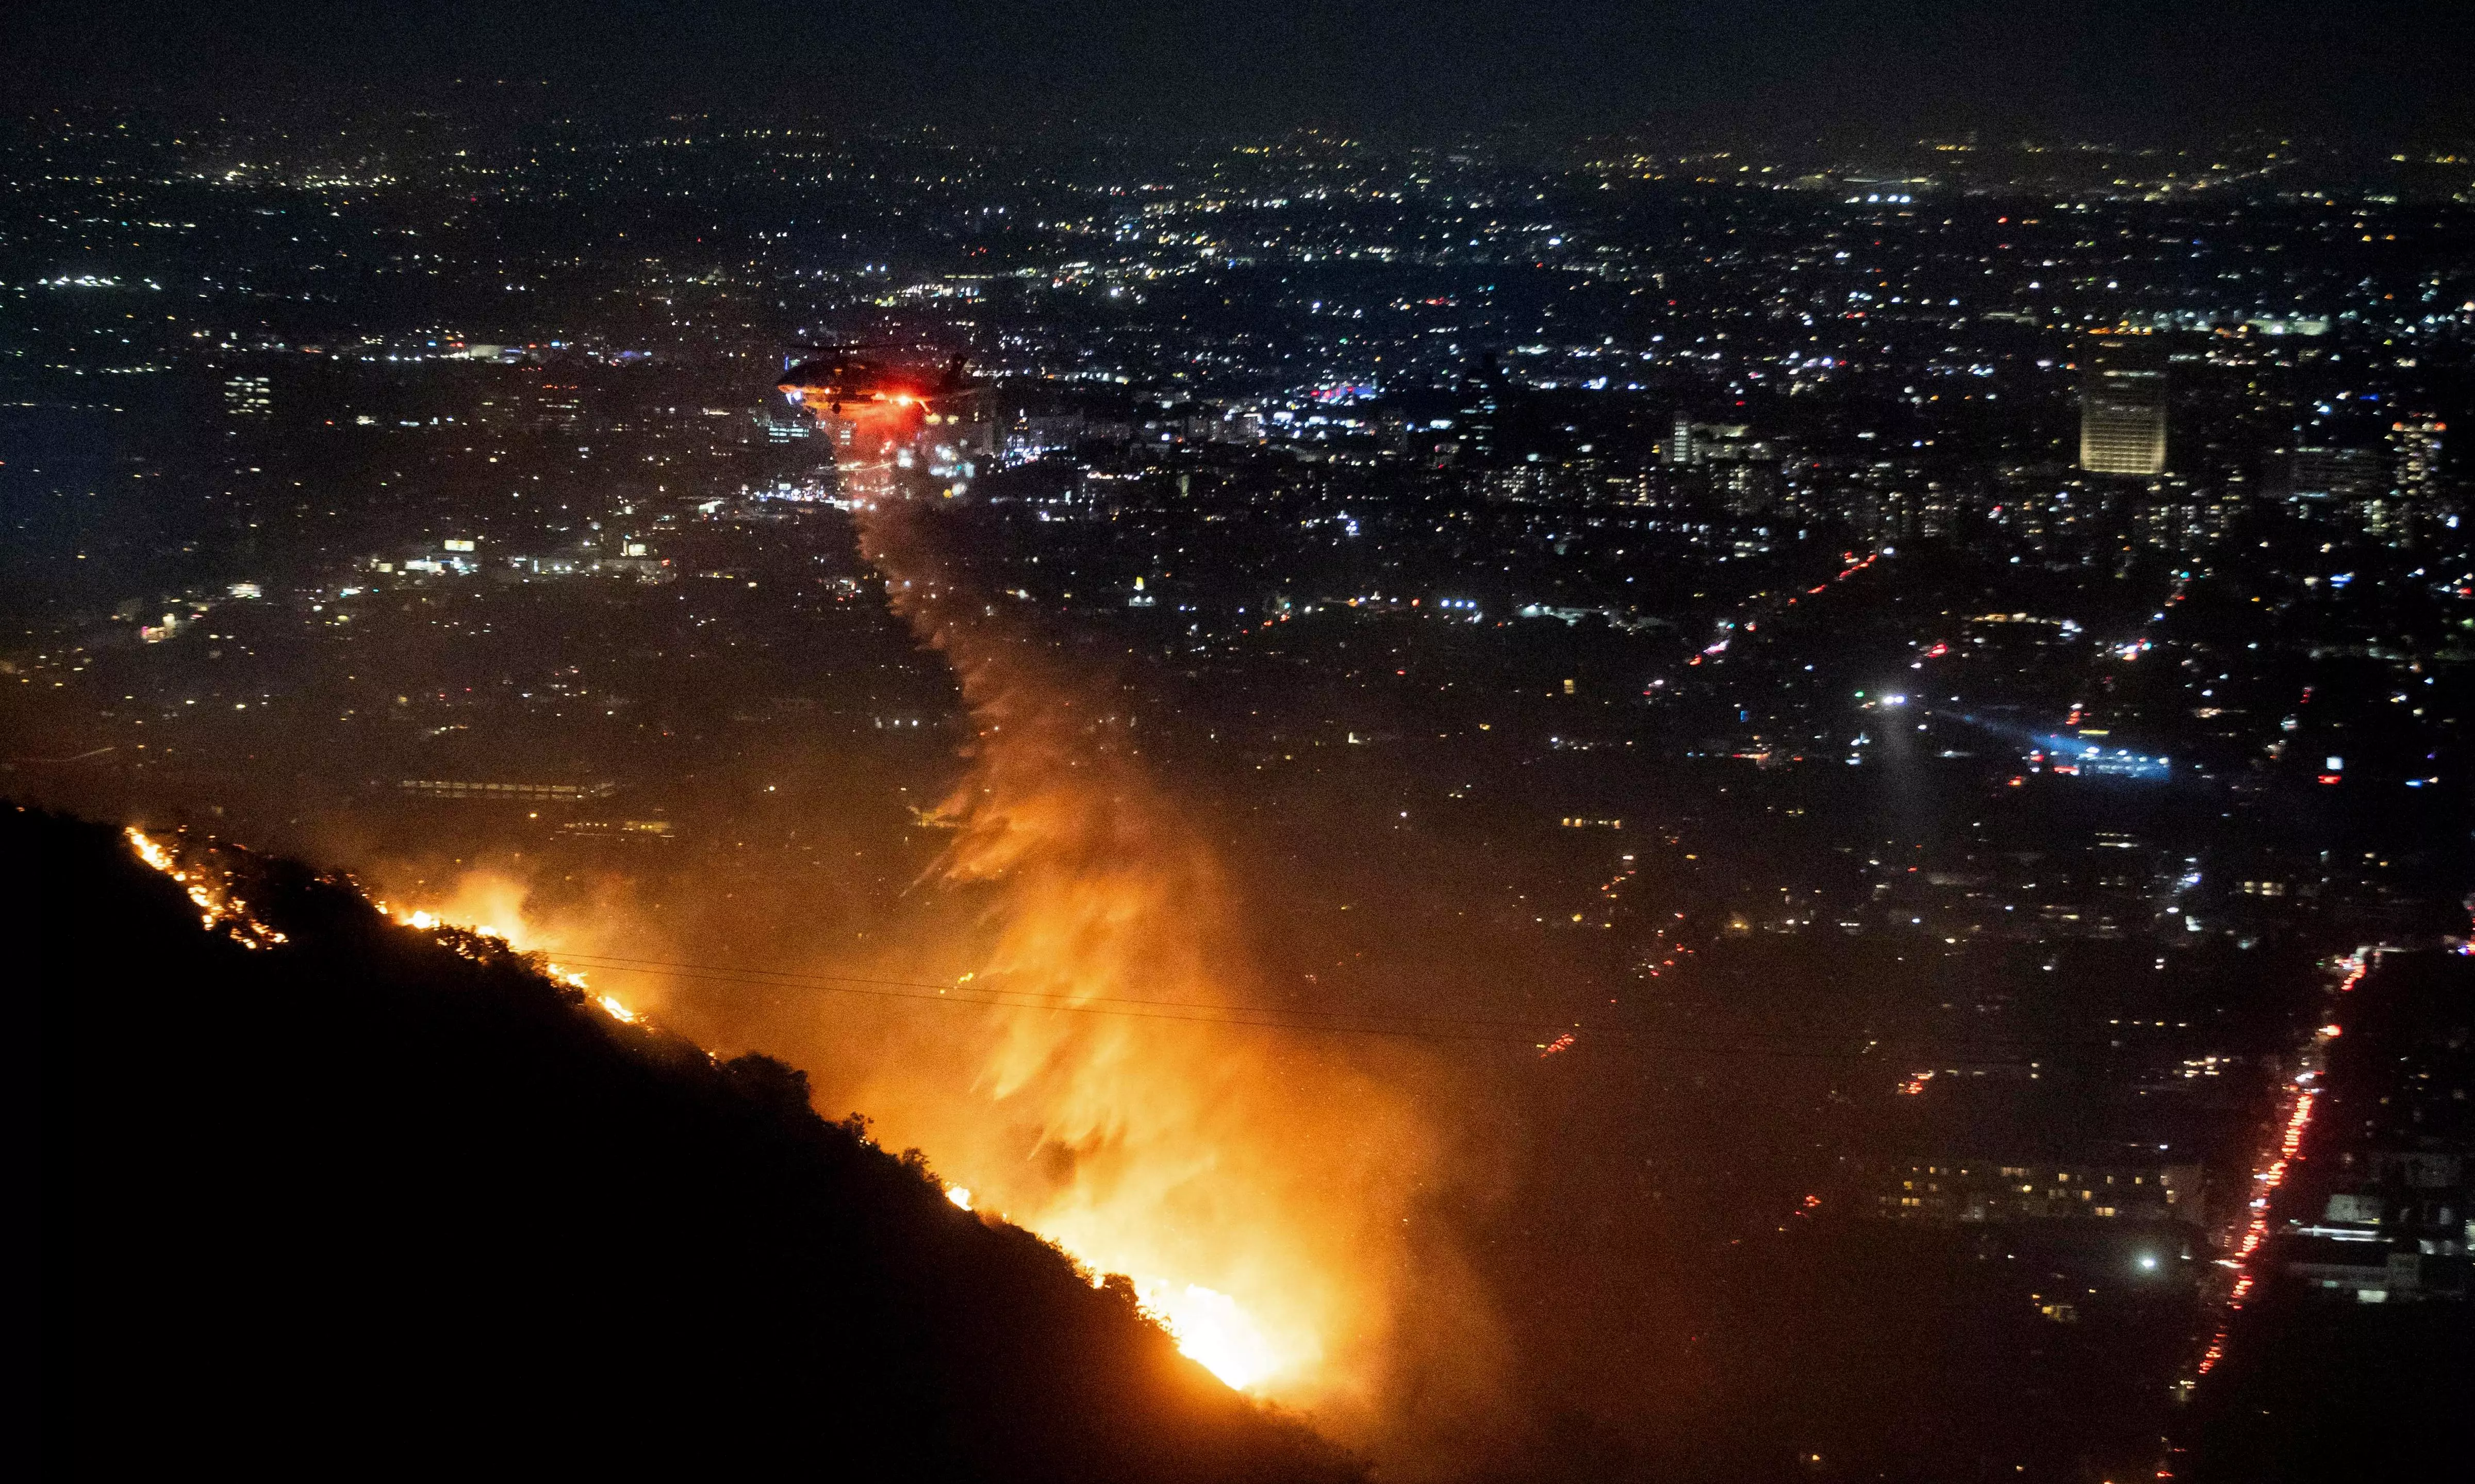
{"x":364,"y":1204}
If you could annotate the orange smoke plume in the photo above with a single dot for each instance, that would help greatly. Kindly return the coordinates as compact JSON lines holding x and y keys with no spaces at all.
{"x":1258,"y":1186}
{"x":1273,"y":1195}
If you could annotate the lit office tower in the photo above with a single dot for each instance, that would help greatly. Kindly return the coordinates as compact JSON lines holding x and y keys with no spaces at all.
{"x":2416,"y":444}
{"x":248,"y":396}
{"x":2341,"y":476}
{"x":2122,"y":409}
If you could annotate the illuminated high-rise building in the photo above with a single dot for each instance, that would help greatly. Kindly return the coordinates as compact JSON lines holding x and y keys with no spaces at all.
{"x":2122,"y":409}
{"x":2414,"y":445}
{"x":248,"y":396}
{"x":2340,"y":475}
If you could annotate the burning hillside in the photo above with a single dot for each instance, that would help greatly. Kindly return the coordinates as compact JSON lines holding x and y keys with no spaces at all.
{"x":343,"y":1189}
{"x":1098,"y":1071}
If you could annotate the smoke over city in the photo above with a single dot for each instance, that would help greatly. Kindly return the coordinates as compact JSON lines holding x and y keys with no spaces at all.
{"x":1271,"y":1191}
{"x":1404,"y":750}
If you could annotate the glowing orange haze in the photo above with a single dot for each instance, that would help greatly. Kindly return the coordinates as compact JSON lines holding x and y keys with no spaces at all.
{"x":1256,"y":1185}
{"x":1263,"y":1188}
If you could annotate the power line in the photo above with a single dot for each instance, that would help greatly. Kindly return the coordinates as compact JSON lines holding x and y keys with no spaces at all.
{"x":943,"y":989}
{"x":1058,"y":1003}
{"x":1397,"y":1025}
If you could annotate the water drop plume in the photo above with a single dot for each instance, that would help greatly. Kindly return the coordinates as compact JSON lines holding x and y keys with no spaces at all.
{"x":1270,"y":1193}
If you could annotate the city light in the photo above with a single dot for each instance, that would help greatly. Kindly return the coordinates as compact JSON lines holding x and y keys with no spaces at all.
{"x":1293,"y":733}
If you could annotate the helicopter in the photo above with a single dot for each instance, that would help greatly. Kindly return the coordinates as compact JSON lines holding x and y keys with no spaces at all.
{"x":840,"y":377}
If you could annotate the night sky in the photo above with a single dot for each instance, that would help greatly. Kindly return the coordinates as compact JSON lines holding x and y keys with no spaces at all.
{"x":2127,"y":69}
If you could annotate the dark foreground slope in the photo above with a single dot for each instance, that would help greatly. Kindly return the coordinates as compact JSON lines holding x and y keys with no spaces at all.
{"x":364,"y":1204}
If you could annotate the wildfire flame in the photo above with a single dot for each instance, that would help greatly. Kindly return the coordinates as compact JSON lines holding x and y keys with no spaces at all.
{"x":1254,"y":1189}
{"x":209,"y":892}
{"x":502,"y":900}
{"x":1213,"y":1331}
{"x":1207,"y":1325}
